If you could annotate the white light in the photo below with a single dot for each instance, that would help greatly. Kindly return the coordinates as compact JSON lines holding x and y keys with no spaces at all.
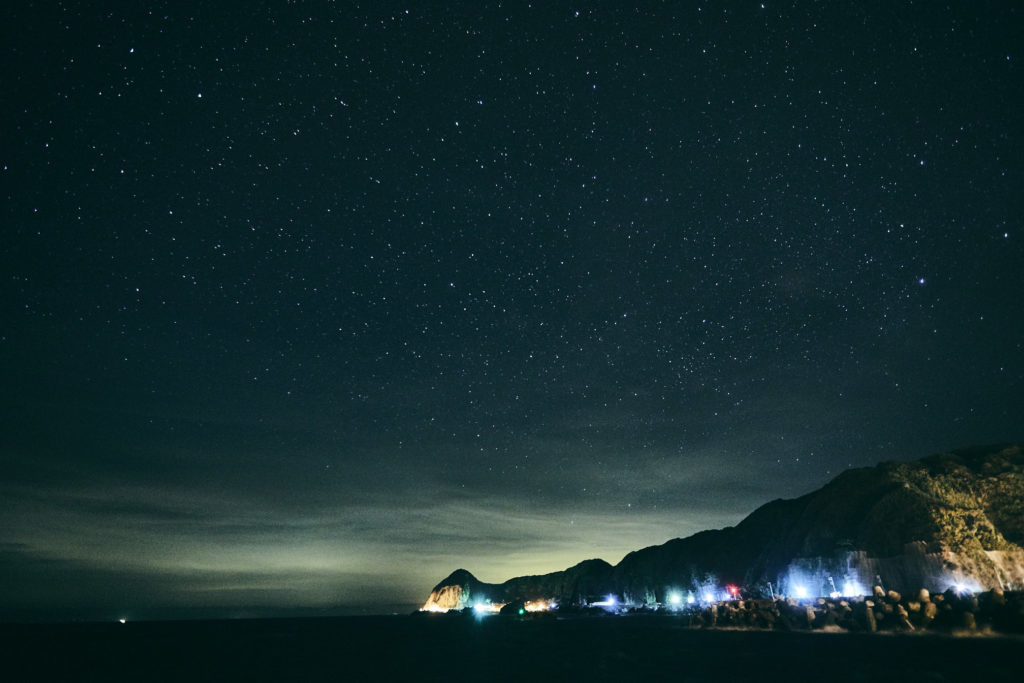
{"x":852,"y":589}
{"x":489,"y":607}
{"x":800,"y":591}
{"x":433,"y":608}
{"x":540,"y":605}
{"x":690,"y":599}
{"x":675,"y":598}
{"x":122,"y":620}
{"x":708,"y":597}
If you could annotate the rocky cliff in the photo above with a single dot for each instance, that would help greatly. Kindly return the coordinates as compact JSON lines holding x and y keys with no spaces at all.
{"x":952,"y":518}
{"x":578,"y":584}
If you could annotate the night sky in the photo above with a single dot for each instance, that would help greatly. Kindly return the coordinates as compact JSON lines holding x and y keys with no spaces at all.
{"x":305,"y":305}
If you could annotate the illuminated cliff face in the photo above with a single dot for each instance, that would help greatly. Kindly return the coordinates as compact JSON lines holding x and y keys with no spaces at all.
{"x":855,"y":573}
{"x":948,"y":520}
{"x":460,"y":590}
{"x":955,"y":519}
{"x":444,"y":599}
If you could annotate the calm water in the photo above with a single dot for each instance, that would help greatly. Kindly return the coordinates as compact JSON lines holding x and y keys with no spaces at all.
{"x":445,"y":648}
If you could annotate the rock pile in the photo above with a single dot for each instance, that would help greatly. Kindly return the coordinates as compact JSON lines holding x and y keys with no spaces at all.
{"x":947,"y":612}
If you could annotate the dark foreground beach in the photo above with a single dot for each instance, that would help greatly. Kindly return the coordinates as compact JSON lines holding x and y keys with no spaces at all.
{"x":492,"y":648}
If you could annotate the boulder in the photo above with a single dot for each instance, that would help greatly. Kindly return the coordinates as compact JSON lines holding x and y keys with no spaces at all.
{"x":928,"y":613}
{"x":869,"y":618}
{"x":903,"y":618}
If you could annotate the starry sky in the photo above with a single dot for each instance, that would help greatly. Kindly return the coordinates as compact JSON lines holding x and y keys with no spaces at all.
{"x":306,"y":304}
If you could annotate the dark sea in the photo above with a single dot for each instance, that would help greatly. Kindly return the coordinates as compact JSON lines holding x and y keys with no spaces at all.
{"x":448,"y":648}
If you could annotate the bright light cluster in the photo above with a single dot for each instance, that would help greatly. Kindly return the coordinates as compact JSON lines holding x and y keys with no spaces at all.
{"x":711,"y":594}
{"x":482,"y":608}
{"x":433,"y":608}
{"x":803,"y":586}
{"x":966,"y":586}
{"x":710,"y":591}
{"x":487,"y":608}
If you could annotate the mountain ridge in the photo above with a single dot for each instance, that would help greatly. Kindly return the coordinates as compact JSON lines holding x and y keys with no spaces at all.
{"x":950,"y":518}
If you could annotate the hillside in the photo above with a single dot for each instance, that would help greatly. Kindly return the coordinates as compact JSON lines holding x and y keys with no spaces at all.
{"x":951,"y":518}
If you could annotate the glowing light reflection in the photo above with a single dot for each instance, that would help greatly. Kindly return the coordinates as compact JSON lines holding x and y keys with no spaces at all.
{"x":540,"y":605}
{"x":853,"y":589}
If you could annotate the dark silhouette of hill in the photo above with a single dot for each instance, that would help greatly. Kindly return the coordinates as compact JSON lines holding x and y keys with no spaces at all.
{"x":950,"y":518}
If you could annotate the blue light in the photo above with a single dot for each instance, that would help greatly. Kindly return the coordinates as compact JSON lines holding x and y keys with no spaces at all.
{"x":852,"y":589}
